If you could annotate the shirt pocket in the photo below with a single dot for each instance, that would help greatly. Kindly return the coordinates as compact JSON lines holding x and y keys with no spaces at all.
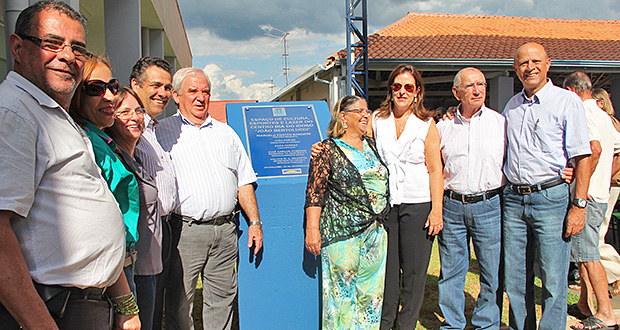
{"x":548,"y":136}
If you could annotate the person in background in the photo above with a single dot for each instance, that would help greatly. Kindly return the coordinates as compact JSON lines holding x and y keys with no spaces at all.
{"x":151,"y":79}
{"x":126,"y":132}
{"x":347,"y":202}
{"x":604,"y":143}
{"x":610,"y":259}
{"x":61,"y":231}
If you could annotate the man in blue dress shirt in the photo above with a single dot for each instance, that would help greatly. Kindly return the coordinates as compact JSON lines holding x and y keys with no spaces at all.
{"x":546,"y":127}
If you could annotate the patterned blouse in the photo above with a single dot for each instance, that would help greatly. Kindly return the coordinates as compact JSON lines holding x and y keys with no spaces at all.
{"x":351,"y":186}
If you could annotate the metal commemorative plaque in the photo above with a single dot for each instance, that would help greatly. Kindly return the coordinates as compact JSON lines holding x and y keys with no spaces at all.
{"x":279,"y":138}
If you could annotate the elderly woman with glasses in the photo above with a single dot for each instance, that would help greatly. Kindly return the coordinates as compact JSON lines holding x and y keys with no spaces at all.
{"x":347,"y":202}
{"x":92,"y":107}
{"x":126,"y":131}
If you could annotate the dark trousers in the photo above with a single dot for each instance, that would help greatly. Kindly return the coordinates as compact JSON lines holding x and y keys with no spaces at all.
{"x":172,"y":274}
{"x":409,"y":251}
{"x":81,"y":313}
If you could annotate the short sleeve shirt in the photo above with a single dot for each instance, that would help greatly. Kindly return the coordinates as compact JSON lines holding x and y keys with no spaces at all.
{"x":66,"y":220}
{"x":543,"y":133}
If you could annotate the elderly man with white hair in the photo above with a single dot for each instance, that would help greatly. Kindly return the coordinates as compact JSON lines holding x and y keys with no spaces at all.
{"x":213,"y":174}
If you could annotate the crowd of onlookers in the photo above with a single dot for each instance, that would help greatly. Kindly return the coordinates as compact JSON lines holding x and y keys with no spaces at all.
{"x":109,"y":216}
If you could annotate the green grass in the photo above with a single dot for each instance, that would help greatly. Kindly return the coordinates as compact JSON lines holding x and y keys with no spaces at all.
{"x":430,"y":315}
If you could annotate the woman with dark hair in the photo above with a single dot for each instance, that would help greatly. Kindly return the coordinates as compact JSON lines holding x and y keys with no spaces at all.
{"x":126,"y":132}
{"x":347,"y":202}
{"x":408,"y":141}
{"x":92,"y":107}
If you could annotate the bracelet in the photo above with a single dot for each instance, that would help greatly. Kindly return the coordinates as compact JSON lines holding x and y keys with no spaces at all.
{"x":256,"y":223}
{"x":125,"y":304}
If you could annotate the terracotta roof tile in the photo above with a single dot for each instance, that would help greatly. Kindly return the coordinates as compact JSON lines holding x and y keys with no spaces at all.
{"x":429,"y":24}
{"x":455,"y":36}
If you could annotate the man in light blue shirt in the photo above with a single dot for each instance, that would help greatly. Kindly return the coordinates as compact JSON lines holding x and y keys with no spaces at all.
{"x":546,"y":127}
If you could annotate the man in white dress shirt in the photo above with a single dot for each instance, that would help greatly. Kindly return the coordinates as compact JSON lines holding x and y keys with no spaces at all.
{"x":472,"y":148}
{"x":213,"y":174}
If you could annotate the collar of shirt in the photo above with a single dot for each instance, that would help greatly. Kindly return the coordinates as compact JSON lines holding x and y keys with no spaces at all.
{"x":24,"y":84}
{"x":90,"y":127}
{"x":459,"y":117}
{"x":540,"y":96}
{"x":150,"y":122}
{"x":208,"y":121}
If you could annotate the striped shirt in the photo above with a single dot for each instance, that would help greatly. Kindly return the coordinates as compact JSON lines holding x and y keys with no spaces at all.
{"x":473,"y":151}
{"x":210,"y":163}
{"x":543,"y":133}
{"x":158,"y":164}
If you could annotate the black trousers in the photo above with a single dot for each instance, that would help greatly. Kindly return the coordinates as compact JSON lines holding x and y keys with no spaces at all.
{"x":172,"y":273}
{"x":81,"y":313}
{"x":409,"y":251}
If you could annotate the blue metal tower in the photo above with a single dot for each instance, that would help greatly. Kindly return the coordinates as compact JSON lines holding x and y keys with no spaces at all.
{"x":357,"y":44}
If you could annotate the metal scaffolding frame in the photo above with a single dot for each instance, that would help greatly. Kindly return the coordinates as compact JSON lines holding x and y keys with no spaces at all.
{"x":357,"y":40}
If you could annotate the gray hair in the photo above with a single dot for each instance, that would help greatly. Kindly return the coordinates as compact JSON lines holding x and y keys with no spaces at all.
{"x":178,"y":78}
{"x":25,"y":21}
{"x":457,"y":77}
{"x":578,"y":81}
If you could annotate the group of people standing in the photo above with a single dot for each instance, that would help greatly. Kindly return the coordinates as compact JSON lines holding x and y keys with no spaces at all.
{"x":108,"y":216}
{"x":504,"y":179}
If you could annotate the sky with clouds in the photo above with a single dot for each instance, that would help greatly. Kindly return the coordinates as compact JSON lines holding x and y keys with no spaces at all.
{"x":228,"y":37}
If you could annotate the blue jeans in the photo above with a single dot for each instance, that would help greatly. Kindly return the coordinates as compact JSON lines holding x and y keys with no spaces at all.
{"x":146,"y":287}
{"x":534,"y":225}
{"x":482,"y":222}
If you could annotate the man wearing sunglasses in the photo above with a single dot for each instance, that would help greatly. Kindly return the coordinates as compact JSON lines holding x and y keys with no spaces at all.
{"x":60,"y":227}
{"x":472,"y":149}
{"x":151,"y":79}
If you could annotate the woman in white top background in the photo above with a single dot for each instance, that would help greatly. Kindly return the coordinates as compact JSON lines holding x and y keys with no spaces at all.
{"x":408,"y":142}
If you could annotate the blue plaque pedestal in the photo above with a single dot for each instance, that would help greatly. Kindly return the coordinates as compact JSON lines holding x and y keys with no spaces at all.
{"x":279,"y":288}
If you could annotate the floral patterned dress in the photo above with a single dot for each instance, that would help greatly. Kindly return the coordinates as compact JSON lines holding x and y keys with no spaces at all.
{"x":352,"y":188}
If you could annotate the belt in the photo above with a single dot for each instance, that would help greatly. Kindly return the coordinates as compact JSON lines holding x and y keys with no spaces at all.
{"x":48,"y":291}
{"x":213,"y":221}
{"x":472,"y":198}
{"x":525,"y":189}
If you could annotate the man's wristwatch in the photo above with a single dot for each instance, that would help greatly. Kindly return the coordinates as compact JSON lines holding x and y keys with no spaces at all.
{"x":580,"y":202}
{"x":256,"y":223}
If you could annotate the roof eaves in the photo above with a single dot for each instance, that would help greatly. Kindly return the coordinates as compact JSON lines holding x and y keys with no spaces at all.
{"x":303,"y":77}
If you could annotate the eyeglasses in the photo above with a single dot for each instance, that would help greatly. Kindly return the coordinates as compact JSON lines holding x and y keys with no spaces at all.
{"x":128,"y":113}
{"x":359,"y":111}
{"x":54,"y":45}
{"x":408,"y":87}
{"x":98,"y":87}
{"x":479,"y":84}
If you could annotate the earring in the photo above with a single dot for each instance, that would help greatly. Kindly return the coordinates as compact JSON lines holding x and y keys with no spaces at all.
{"x":345,"y":126}
{"x":415,"y":99}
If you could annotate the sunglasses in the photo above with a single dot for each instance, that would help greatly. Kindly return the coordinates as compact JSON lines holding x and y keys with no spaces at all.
{"x":408,"y":87}
{"x":360,"y":112}
{"x":98,"y":87}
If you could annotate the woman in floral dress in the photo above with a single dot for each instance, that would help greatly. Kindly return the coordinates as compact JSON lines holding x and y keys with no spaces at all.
{"x":347,"y":202}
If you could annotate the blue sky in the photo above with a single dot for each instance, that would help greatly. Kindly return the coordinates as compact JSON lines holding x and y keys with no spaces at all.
{"x":228,"y":40}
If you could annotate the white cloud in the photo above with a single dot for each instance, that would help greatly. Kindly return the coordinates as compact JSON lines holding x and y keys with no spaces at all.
{"x":229,"y":86}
